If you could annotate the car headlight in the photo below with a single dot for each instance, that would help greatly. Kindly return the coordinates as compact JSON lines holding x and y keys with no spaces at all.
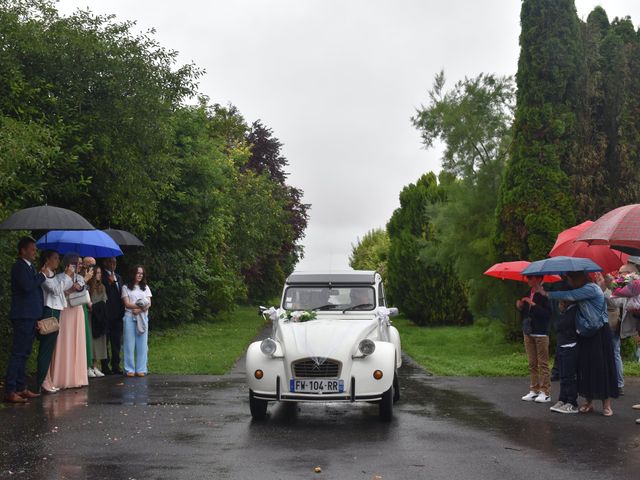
{"x":367,"y":347}
{"x":268,"y":346}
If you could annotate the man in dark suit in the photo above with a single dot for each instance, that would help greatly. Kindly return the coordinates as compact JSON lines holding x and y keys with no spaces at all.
{"x":115,"y":312}
{"x":26,"y":309}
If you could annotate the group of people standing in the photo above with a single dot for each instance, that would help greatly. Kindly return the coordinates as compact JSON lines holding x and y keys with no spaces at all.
{"x":93,"y":309}
{"x":591,"y":317}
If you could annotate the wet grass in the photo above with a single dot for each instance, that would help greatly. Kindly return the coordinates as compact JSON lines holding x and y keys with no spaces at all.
{"x":477,"y":350}
{"x":210,"y":347}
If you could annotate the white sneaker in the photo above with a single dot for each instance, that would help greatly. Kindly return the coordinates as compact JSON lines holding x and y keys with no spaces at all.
{"x":90,"y":373}
{"x":543,"y":398}
{"x":529,"y":397}
{"x":568,"y":408}
{"x":98,"y":373}
{"x":557,"y":407}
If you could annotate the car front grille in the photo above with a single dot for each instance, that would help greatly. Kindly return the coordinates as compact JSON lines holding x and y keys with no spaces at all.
{"x":309,"y":368}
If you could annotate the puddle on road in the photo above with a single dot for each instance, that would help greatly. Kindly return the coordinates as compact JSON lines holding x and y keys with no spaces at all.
{"x":577,"y":442}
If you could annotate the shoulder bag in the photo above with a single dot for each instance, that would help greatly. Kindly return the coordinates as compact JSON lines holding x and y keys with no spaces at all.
{"x":79,"y":298}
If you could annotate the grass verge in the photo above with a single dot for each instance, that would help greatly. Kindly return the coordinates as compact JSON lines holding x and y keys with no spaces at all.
{"x":477,"y":350}
{"x":210,"y":347}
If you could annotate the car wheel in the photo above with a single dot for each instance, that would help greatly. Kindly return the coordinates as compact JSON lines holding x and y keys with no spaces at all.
{"x":386,"y":405}
{"x":396,"y":388}
{"x":258,"y":407}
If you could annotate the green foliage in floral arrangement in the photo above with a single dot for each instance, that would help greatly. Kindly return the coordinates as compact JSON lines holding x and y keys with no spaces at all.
{"x":298,"y":315}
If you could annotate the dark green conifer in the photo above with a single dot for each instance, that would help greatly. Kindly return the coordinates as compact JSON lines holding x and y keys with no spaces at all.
{"x":535,"y":200}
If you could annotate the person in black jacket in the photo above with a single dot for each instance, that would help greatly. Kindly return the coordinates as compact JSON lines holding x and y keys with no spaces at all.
{"x":115,"y":313}
{"x":536,"y":317}
{"x":27,"y":305}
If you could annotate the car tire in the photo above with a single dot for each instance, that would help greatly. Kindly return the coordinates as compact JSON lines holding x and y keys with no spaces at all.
{"x":386,"y":405}
{"x":396,"y":388}
{"x":258,"y":407}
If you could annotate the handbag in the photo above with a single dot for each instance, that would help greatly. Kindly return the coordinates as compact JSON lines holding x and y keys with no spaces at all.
{"x":79,"y":298}
{"x":48,"y":325}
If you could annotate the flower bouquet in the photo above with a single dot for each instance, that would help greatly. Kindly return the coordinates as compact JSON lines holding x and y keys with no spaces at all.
{"x":624,"y":280}
{"x":298,"y":316}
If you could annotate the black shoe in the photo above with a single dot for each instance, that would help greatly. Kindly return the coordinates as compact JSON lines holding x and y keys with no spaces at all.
{"x":620,"y":391}
{"x":117,"y":371}
{"x":105,"y":368}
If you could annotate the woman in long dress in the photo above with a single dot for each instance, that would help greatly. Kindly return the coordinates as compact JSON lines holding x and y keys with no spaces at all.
{"x":69,"y":363}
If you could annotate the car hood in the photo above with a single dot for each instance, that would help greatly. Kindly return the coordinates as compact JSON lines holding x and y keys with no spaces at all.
{"x":324,"y":338}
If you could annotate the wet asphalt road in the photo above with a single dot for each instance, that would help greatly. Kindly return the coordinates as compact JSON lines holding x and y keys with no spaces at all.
{"x":172,"y":427}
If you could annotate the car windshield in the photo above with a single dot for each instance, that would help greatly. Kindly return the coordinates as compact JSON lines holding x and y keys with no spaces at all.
{"x":325,"y":298}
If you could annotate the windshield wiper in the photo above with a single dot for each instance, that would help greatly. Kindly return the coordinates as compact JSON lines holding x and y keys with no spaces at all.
{"x":357,"y":306}
{"x":328,"y":306}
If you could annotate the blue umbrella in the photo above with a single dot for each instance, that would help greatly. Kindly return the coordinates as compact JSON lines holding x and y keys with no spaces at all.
{"x":558,"y":265}
{"x":87,"y":243}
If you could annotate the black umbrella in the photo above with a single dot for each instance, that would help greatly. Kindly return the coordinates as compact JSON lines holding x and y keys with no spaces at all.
{"x":46,"y":217}
{"x":124,"y":238}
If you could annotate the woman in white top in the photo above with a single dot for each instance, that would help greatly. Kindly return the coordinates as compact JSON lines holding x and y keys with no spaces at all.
{"x":136,"y":296}
{"x":54,"y":301}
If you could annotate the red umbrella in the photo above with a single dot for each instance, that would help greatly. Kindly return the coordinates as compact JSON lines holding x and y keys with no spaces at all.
{"x":511,"y":271}
{"x":567,"y":245}
{"x":618,"y":228}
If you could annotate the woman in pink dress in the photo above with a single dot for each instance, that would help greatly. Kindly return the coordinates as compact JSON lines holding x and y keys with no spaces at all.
{"x":69,"y":363}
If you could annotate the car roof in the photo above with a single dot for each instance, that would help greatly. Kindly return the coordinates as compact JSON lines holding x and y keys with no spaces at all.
{"x":336,"y":277}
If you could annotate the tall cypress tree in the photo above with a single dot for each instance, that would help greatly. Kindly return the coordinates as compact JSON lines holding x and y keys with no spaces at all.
{"x":534,"y":203}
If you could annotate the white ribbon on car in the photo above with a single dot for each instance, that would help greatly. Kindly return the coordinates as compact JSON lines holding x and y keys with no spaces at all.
{"x":382,"y":315}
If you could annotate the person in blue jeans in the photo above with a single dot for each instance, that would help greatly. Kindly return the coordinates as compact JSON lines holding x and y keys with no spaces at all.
{"x":136,"y":296}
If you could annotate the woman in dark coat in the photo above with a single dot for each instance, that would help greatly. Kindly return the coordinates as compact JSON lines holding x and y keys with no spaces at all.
{"x":597,"y":377}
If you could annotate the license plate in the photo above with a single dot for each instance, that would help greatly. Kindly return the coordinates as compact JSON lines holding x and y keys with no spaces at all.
{"x":316,"y":385}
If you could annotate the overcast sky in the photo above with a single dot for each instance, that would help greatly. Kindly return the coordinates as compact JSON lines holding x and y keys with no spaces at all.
{"x":337,"y":81}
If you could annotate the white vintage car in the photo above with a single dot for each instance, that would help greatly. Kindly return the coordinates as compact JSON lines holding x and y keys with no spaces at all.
{"x":332,"y":341}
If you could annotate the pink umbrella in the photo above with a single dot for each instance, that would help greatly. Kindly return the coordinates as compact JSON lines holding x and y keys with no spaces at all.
{"x":567,"y":245}
{"x":619,"y":228}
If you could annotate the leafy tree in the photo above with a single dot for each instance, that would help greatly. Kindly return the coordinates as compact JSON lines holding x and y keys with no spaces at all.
{"x":473,"y":120}
{"x":427,"y":292}
{"x":535,"y":201}
{"x":93,"y":118}
{"x":371,"y":252}
{"x":266,"y":275}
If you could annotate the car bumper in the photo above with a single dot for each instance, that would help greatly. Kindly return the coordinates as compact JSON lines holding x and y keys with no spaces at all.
{"x":360,"y":386}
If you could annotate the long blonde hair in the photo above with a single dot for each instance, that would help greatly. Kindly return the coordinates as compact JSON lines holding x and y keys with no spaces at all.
{"x":96,"y":287}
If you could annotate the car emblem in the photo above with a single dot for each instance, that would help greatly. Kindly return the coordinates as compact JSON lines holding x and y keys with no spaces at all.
{"x":318,"y":362}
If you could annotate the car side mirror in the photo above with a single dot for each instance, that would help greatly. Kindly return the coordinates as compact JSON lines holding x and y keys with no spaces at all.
{"x":393,"y":311}
{"x":262,"y":309}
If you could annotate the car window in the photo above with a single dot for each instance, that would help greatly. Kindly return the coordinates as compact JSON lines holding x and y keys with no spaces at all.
{"x":329,"y":298}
